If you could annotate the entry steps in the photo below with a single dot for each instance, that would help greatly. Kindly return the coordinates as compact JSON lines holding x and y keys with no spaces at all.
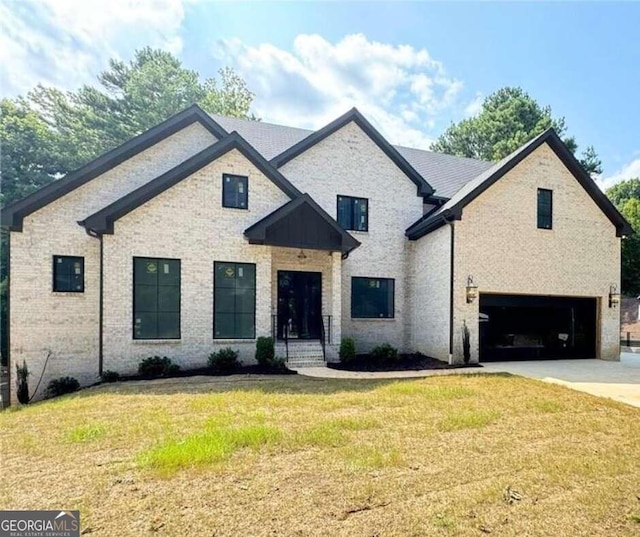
{"x":302,"y":353}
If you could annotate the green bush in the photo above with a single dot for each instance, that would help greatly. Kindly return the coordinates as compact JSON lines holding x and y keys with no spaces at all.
{"x":347,"y":350}
{"x":22,"y":382}
{"x":265,"y":351}
{"x":155,"y":366}
{"x":224,"y":361}
{"x":384,"y":353}
{"x":110,"y":376}
{"x":62,"y":385}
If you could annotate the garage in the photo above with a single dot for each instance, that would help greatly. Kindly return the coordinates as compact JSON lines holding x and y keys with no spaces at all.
{"x":527,"y":327}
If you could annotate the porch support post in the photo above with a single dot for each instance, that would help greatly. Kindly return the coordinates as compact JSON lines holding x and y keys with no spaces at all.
{"x":336,"y":298}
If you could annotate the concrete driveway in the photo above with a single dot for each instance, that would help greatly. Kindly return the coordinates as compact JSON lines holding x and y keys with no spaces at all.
{"x":615,"y":380}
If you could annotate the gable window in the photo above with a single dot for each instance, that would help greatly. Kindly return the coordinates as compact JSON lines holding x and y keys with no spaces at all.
{"x":234,"y":300}
{"x":68,"y":274}
{"x":235,"y":191}
{"x":545,"y":208}
{"x":353,"y":213}
{"x":372,"y":298}
{"x":156,"y":298}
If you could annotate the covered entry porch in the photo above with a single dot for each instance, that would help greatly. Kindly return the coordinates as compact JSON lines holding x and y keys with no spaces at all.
{"x":307,"y":249}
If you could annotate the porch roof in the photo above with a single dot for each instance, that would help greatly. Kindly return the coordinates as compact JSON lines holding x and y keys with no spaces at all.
{"x":301,"y":223}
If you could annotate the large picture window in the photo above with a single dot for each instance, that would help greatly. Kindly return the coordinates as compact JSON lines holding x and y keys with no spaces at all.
{"x":234,"y":301}
{"x":156,"y":298}
{"x":68,"y":274}
{"x":372,"y":298}
{"x":353,"y":213}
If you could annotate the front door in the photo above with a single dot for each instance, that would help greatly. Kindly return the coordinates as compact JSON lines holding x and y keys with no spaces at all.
{"x":299,"y":304}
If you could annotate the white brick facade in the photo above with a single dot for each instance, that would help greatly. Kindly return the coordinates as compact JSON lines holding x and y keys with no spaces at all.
{"x":496,"y":241}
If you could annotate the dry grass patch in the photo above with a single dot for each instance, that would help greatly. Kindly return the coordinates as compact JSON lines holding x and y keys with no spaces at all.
{"x":299,"y":456}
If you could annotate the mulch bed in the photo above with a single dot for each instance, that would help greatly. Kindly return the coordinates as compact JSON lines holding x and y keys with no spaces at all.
{"x":207,"y":372}
{"x":405,"y":362}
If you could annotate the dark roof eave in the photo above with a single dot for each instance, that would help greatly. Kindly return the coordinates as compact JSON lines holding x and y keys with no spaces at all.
{"x":102,"y":222}
{"x":14,"y":213}
{"x":423,"y":187}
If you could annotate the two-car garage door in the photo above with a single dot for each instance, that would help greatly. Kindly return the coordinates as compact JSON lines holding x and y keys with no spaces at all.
{"x":521,"y":327}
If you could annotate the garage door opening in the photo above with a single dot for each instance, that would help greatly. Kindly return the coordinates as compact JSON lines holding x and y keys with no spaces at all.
{"x":520,"y":327}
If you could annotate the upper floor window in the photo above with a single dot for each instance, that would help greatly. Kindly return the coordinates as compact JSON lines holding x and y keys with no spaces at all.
{"x":545,"y":208}
{"x":372,"y":298}
{"x":156,"y":298}
{"x":68,"y":274}
{"x":235,"y":191}
{"x":353,"y":213}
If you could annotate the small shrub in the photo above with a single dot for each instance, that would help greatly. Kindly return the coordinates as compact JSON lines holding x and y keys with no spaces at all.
{"x":278,"y":363}
{"x":384,"y":353}
{"x":347,"y":350}
{"x":466,"y":343}
{"x":155,"y":366}
{"x":110,"y":376}
{"x":265,"y":351}
{"x":62,"y":385}
{"x":224,"y":361}
{"x":22,"y":382}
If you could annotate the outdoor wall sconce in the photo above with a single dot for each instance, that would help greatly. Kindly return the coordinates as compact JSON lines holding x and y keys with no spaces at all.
{"x":472,"y":290}
{"x":302,"y":256}
{"x":614,"y":296}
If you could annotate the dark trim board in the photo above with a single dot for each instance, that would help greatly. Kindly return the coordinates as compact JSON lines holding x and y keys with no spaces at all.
{"x":424,"y":188}
{"x":454,"y":208}
{"x":14,"y":213}
{"x":102,"y":221}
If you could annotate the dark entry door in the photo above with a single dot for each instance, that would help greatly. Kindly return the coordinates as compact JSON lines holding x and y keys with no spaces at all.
{"x":299,"y":304}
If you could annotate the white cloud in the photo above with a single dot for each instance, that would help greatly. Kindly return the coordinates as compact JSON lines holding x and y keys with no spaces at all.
{"x":402,"y":90}
{"x":65,"y":43}
{"x":475,"y":106}
{"x":629,"y":171}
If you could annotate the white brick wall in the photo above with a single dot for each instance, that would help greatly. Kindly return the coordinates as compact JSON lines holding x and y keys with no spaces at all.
{"x":430,"y":271}
{"x":498,"y":242}
{"x":349,"y":163}
{"x":188,"y":222}
{"x":66,"y":324}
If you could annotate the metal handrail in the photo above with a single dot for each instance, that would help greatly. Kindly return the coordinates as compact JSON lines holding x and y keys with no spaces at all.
{"x":286,"y":339}
{"x":322,"y":338}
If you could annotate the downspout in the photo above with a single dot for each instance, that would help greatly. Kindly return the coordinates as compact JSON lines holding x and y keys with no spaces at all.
{"x":8,"y":316}
{"x":451,"y":224}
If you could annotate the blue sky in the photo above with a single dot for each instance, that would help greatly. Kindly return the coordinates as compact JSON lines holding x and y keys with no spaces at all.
{"x":412,"y":68}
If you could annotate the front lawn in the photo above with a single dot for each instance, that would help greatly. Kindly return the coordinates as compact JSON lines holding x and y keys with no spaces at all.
{"x":453,"y":455}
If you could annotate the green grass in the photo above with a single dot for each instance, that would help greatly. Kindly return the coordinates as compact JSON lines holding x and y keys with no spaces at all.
{"x":300,"y":456}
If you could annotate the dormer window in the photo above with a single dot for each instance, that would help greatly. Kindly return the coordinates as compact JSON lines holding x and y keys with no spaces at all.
{"x":353,"y":213}
{"x":235,"y":191}
{"x":545,"y":208}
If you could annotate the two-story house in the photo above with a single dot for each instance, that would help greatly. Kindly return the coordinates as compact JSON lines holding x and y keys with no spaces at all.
{"x":206,"y":232}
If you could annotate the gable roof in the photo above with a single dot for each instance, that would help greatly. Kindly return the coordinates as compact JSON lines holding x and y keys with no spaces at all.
{"x":445,"y":173}
{"x":102,"y":221}
{"x":314,"y":229}
{"x":14,"y":213}
{"x":424,"y":188}
{"x":452,"y":209}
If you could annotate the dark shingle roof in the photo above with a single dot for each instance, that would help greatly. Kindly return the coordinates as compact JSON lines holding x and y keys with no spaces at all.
{"x":446,"y":173}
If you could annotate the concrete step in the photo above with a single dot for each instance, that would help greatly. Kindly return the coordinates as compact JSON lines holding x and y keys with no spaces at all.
{"x":296,"y":363}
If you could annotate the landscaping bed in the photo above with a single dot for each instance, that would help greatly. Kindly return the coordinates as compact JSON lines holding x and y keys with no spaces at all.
{"x":207,"y":371}
{"x":403,"y":362}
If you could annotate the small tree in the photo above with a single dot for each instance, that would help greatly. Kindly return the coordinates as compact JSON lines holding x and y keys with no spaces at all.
{"x":466,"y":343}
{"x":22,"y":382}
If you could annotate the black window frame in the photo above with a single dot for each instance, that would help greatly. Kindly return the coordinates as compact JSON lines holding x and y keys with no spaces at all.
{"x":54,"y":275}
{"x":352,"y":200}
{"x":544,"y":215}
{"x":358,"y":315}
{"x":242,"y":178}
{"x":235,"y":312}
{"x":158,"y":260}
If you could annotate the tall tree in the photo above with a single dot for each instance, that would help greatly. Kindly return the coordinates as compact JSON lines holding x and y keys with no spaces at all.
{"x":508,"y":119}
{"x":626,"y":196}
